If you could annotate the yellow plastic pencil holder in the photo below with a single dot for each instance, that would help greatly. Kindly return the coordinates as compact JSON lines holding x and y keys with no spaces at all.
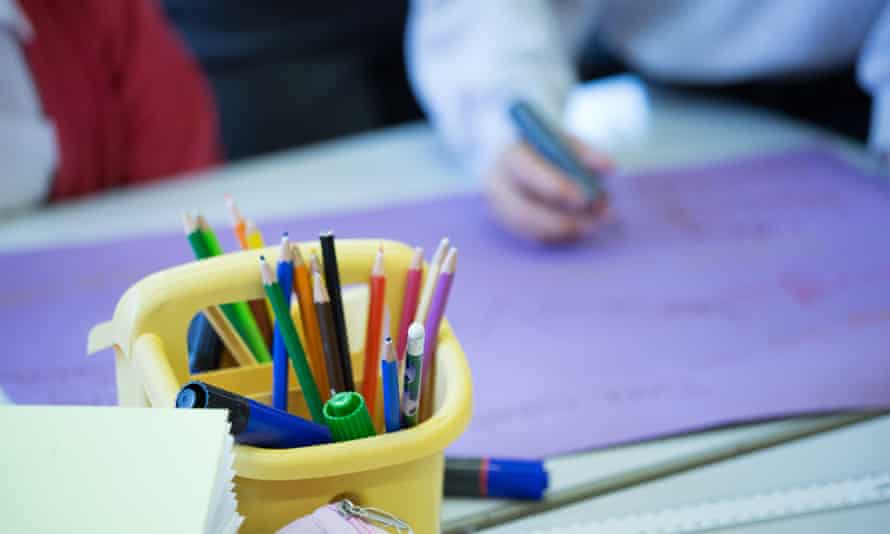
{"x":399,"y":472}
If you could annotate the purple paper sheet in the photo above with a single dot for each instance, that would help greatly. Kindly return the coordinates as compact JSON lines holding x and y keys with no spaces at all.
{"x":746,"y":290}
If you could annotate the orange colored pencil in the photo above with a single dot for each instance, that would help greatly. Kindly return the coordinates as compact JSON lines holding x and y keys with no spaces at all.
{"x":372,"y":335}
{"x":238,"y":222}
{"x":303,"y":286}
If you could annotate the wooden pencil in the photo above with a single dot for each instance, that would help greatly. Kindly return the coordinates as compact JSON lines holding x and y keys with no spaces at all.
{"x":389,"y":372}
{"x":373,"y":332}
{"x":310,"y":324}
{"x":257,"y":306}
{"x":332,"y":281}
{"x":238,"y":313}
{"x":238,"y":222}
{"x":429,"y":281}
{"x":230,"y":338}
{"x":285,"y":272}
{"x":409,"y":301}
{"x":433,"y":321}
{"x":255,"y":241}
{"x":196,"y":241}
{"x":292,"y":342}
{"x":314,"y":264}
{"x":328,"y":335}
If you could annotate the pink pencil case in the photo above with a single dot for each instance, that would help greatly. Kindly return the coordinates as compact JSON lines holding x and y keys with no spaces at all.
{"x":344,"y":517}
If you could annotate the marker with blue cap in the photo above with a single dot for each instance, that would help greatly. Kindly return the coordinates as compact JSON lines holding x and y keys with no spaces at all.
{"x":254,"y":423}
{"x":496,"y":478}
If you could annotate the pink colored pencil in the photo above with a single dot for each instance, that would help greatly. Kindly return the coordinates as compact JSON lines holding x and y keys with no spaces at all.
{"x":409,"y":302}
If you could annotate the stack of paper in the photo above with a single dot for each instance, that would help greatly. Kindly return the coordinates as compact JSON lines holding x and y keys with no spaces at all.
{"x":133,"y":470}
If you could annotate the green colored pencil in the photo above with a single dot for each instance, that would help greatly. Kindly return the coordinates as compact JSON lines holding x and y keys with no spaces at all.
{"x":292,"y":342}
{"x":205,"y":245}
{"x":195,"y":238}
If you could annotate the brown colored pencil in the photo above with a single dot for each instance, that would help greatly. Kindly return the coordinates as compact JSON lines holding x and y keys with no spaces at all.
{"x":328,"y":334}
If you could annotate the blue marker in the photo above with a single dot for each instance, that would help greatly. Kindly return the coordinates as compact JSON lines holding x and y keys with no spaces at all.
{"x":549,"y":145}
{"x":254,"y":423}
{"x":279,"y":349}
{"x":497,"y":478}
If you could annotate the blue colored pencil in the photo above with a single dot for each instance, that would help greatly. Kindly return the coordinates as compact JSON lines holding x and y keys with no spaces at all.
{"x":285,"y":274}
{"x":389,"y":367}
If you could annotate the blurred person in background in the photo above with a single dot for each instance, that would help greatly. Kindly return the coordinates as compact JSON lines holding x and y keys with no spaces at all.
{"x":288,"y":72}
{"x":468,"y":59}
{"x":95,"y":94}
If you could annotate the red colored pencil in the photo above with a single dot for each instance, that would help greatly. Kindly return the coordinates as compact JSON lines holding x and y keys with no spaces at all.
{"x":409,"y":302}
{"x":372,"y":335}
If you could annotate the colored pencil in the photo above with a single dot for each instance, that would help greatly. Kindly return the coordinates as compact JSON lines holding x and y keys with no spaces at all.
{"x":261,"y":315}
{"x":328,"y":335}
{"x":255,"y":241}
{"x":332,"y":279}
{"x":292,"y":342}
{"x":233,"y":342}
{"x":409,"y":300}
{"x":314,"y":264}
{"x":285,"y":271}
{"x":253,"y":236}
{"x":310,"y":324}
{"x":433,"y":320}
{"x":238,"y":222}
{"x":389,"y":371}
{"x":196,"y":241}
{"x":236,"y":312}
{"x":429,"y":281}
{"x":411,"y":396}
{"x":258,"y":307}
{"x":373,"y":332}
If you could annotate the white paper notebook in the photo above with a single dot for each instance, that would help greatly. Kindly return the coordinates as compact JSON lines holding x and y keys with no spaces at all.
{"x":122,"y":470}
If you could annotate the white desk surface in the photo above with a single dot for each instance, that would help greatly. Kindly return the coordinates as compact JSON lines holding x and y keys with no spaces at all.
{"x":407,"y":163}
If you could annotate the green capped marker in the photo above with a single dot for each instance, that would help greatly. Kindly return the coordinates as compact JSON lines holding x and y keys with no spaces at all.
{"x":346,"y":414}
{"x":413,"y":374}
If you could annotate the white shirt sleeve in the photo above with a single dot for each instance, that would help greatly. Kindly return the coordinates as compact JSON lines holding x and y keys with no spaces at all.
{"x":874,"y":75}
{"x":468,"y":58}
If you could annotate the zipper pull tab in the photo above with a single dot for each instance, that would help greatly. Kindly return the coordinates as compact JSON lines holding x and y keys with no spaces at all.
{"x":373,"y":515}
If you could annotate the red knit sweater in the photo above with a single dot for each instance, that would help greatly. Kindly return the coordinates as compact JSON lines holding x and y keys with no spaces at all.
{"x":128,"y":103}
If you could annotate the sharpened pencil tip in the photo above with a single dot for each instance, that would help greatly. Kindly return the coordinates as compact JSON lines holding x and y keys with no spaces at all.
{"x":188,"y":223}
{"x":439,"y":255}
{"x":377,"y":269}
{"x":417,"y":259}
{"x":390,"y":350}
{"x":296,"y":254}
{"x":266,"y":272}
{"x":449,"y":264}
{"x":285,"y":251}
{"x":319,"y":291}
{"x":237,"y":218}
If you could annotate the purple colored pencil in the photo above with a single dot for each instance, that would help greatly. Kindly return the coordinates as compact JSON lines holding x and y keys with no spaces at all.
{"x":437,"y":311}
